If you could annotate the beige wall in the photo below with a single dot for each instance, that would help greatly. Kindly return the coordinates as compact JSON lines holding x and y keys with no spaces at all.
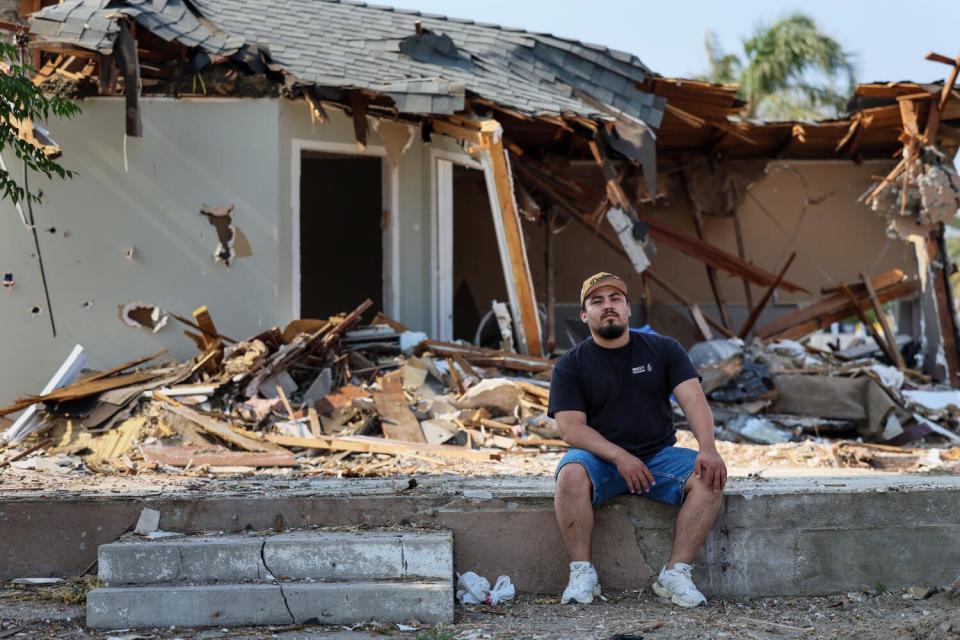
{"x":808,"y":206}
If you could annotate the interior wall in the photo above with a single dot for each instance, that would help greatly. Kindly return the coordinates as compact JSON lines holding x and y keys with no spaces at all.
{"x":805,"y":206}
{"x":213,"y":151}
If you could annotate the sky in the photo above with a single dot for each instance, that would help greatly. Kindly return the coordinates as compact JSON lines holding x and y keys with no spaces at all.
{"x":888,"y":42}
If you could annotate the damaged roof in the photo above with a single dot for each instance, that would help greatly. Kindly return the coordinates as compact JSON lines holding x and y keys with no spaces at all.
{"x":426,"y":63}
{"x":92,"y":24}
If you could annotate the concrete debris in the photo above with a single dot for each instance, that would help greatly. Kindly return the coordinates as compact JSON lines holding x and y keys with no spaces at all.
{"x":148,"y":522}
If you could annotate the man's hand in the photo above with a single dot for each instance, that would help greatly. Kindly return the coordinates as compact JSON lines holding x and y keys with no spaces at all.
{"x":710,"y":468}
{"x":636,"y":474}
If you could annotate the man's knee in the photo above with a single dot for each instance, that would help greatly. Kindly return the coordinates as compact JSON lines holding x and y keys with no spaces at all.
{"x":697,"y":486}
{"x":573,"y":482}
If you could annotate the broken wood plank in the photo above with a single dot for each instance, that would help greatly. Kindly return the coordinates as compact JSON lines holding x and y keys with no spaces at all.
{"x":891,"y":339}
{"x":23,"y":454}
{"x":194,"y":325}
{"x":214,"y":427}
{"x":714,"y":256}
{"x":513,"y":253}
{"x":872,"y":330}
{"x":756,"y":311}
{"x":396,"y":418}
{"x":188,"y":456}
{"x":365,"y":444}
{"x":121,"y":368}
{"x":889,"y":286}
{"x":81,"y":390}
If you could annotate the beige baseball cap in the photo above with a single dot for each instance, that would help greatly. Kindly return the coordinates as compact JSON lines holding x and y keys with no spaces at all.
{"x":602,"y":279}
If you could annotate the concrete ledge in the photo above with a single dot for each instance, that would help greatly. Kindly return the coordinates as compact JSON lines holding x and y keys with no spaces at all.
{"x":314,"y":555}
{"x":791,"y":536}
{"x":260,"y":604}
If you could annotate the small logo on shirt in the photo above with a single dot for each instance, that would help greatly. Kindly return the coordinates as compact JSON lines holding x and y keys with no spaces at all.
{"x":648,"y":368}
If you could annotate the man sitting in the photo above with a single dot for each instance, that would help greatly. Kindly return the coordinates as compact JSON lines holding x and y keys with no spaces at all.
{"x":610,"y":396}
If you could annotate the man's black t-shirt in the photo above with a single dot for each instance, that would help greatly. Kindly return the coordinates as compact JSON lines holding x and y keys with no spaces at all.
{"x":625,"y":392}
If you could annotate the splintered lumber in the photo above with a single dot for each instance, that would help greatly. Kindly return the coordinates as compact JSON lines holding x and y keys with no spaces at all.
{"x":82,"y":390}
{"x":184,"y":456}
{"x":713,"y":256}
{"x":203,"y":331}
{"x":481,"y":357}
{"x":757,"y":310}
{"x":872,"y":330}
{"x":834,"y":308}
{"x":882,"y":318}
{"x":214,"y":427}
{"x":122,"y":367}
{"x":513,"y":252}
{"x":365,"y":444}
{"x":396,"y":418}
{"x":532,"y":389}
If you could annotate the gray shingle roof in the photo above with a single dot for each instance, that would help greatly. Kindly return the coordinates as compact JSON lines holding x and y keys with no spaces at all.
{"x":340,"y":43}
{"x":91,"y":24}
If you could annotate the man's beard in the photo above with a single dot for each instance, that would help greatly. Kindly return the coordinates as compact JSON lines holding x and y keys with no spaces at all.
{"x":611,"y":331}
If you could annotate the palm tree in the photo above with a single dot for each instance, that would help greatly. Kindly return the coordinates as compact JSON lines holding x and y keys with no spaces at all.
{"x":791,"y":70}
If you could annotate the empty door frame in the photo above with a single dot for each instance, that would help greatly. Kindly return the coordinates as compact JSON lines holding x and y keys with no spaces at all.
{"x":441,"y":231}
{"x":390,"y":207}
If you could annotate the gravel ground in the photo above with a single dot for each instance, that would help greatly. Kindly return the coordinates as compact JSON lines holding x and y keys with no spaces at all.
{"x":855,"y":616}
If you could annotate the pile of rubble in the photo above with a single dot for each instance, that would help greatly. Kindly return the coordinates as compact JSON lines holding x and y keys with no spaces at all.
{"x":307,"y":396}
{"x":336,"y":397}
{"x":784,"y":391}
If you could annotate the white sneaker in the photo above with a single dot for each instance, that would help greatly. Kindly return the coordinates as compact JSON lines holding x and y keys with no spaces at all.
{"x":677,"y":586}
{"x":583,"y":585}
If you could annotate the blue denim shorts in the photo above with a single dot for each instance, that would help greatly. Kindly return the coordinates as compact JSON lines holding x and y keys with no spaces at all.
{"x":671,"y":467}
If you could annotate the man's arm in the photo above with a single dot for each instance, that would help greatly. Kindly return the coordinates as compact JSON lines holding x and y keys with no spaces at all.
{"x":709,"y":465}
{"x":575,"y":432}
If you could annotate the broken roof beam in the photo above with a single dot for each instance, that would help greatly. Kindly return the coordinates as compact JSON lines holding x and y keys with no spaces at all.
{"x":889,"y":286}
{"x":486,"y":138}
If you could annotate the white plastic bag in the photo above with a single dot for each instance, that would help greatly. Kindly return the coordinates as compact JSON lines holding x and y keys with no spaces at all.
{"x":474,"y":589}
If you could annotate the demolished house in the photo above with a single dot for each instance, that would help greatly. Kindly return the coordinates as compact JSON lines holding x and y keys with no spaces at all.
{"x":280,"y":164}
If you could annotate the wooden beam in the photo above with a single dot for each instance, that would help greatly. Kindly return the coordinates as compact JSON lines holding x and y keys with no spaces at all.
{"x":548,"y":258}
{"x":889,"y":286}
{"x":364,"y":444}
{"x":882,"y":318}
{"x":214,"y":427}
{"x":742,"y":253}
{"x":513,"y":252}
{"x":711,"y":272}
{"x":945,"y":313}
{"x":456,"y":131}
{"x":756,"y":311}
{"x":872,"y":330}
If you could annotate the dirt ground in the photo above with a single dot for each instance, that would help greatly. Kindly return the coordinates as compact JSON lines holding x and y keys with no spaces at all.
{"x":867,"y":615}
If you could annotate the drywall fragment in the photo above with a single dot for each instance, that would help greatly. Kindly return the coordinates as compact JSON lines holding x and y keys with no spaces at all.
{"x":8,"y":281}
{"x":36,"y":310}
{"x":86,"y":304}
{"x":623,"y":226}
{"x":130,"y":253}
{"x":396,"y":136}
{"x":232,"y":242}
{"x":141,"y":315}
{"x":148,"y":522}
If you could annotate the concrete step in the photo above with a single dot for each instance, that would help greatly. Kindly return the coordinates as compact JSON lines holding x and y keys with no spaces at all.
{"x":259,"y":604}
{"x":298,"y":555}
